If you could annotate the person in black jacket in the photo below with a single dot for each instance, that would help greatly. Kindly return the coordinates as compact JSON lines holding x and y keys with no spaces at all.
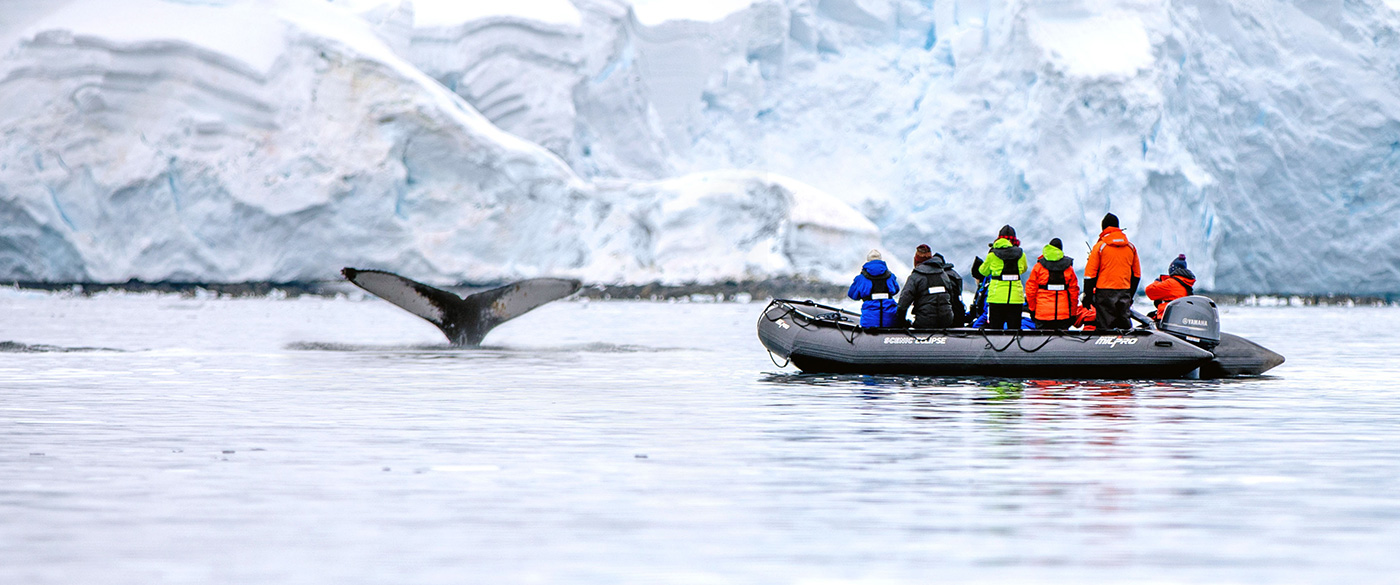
{"x":929,"y":291}
{"x":956,"y":280}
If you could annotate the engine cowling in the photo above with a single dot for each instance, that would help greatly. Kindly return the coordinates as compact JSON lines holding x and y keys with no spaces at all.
{"x":1193,"y":318}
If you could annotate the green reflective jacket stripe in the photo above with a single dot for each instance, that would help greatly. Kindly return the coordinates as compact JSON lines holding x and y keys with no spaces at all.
{"x":1003,"y":292}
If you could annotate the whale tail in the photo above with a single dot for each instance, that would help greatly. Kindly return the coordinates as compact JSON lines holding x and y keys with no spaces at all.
{"x":464,"y":320}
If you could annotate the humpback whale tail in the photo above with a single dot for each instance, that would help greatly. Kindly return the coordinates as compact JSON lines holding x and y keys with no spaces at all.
{"x":464,"y":320}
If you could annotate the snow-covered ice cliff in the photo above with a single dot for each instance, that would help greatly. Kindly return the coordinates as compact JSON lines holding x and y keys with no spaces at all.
{"x":1262,"y":139}
{"x":486,"y":140}
{"x":279,"y":141}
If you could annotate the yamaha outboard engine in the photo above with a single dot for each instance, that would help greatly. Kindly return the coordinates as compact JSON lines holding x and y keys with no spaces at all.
{"x":1194,"y":319}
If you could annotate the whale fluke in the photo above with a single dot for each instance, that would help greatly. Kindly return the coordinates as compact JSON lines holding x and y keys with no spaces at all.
{"x":464,"y":320}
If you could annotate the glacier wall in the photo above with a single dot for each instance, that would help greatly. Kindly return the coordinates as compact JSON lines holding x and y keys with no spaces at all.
{"x":1262,"y":139}
{"x":231,"y":141}
{"x":635,"y":140}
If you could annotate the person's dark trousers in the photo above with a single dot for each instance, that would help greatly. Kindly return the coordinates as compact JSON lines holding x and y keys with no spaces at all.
{"x":1001,"y":316}
{"x":1057,"y":324}
{"x":1114,"y":307}
{"x":942,"y":319}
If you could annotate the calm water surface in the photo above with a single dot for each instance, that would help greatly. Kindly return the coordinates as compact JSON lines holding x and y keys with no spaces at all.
{"x":337,"y":441}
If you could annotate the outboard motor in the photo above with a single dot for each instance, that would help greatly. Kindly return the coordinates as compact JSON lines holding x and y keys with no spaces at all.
{"x":1194,"y":319}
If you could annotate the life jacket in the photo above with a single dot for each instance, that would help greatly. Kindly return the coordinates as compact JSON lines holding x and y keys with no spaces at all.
{"x":1010,"y":268}
{"x":1005,"y":286}
{"x":1053,"y":295}
{"x":879,"y":286}
{"x":939,"y":289}
{"x":930,"y":291}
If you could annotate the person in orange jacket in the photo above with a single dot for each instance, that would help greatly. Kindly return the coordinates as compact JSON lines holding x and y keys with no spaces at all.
{"x":1111,"y":276}
{"x":1052,"y":288}
{"x":1176,"y":283}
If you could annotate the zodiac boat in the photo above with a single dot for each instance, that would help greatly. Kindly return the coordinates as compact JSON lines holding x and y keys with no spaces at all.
{"x":1188,"y":344}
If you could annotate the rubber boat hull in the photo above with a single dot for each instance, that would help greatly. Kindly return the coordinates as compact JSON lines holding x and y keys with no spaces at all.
{"x":817,"y":338}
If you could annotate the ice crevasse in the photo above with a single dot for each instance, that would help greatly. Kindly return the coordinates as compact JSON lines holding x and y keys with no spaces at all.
{"x":258,"y":140}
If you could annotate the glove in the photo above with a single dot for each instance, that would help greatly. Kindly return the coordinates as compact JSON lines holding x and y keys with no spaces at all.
{"x":1136,"y":280}
{"x":1088,"y":301}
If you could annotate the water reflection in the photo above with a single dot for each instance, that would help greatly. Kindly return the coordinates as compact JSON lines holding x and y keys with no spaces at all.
{"x":1099,"y":413}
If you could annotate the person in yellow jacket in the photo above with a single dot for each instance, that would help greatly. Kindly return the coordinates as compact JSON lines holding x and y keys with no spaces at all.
{"x":1005,"y":265}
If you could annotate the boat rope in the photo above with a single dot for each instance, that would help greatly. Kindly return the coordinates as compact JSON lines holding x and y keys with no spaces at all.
{"x":910,"y":333}
{"x":807,"y":323}
{"x":1037,"y":348}
{"x":798,"y":319}
{"x":775,"y":362}
{"x":993,"y":346}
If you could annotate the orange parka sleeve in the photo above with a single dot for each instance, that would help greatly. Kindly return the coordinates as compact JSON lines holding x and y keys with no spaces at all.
{"x":1072,"y":284}
{"x":1159,"y":289}
{"x":1037,"y":278}
{"x":1091,"y":266}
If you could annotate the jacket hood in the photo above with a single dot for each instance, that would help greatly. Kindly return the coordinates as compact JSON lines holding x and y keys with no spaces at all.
{"x":1113,"y":237}
{"x":1056,"y":265}
{"x":1054,"y":259}
{"x":874,"y":268}
{"x":1007,"y":251}
{"x":930,"y":266}
{"x":946,"y":264}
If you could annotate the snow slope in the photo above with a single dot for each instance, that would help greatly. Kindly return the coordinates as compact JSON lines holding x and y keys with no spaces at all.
{"x":1261,"y":139}
{"x":141,"y":142}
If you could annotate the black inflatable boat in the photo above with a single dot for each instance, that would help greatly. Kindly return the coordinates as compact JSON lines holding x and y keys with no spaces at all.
{"x":1189,"y":344}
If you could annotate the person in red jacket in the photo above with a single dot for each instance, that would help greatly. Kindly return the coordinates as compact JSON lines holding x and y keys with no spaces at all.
{"x":1176,"y":283}
{"x":1052,"y":288}
{"x":1111,"y":276}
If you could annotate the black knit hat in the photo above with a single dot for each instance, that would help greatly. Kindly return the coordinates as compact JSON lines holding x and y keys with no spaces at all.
{"x":1057,"y":244}
{"x":1109,"y":221}
{"x":1007,"y":231}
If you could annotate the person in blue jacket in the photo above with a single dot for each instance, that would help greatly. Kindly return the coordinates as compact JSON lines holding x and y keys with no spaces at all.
{"x":877,"y":288}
